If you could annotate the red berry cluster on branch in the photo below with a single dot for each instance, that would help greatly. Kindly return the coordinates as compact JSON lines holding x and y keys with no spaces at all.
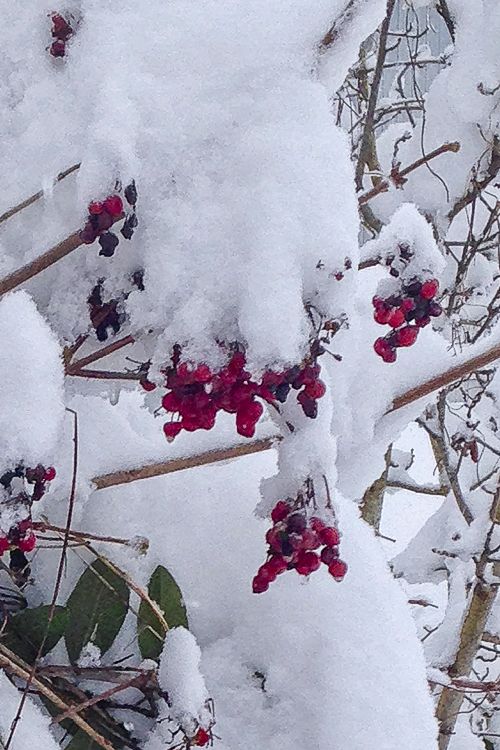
{"x":19,"y":500}
{"x":61,"y":31}
{"x":415,"y":303}
{"x":298,"y":542}
{"x":101,"y":217}
{"x":196,"y":393}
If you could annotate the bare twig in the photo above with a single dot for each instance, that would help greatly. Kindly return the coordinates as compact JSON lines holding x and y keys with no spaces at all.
{"x":42,"y":262}
{"x":384,"y":185}
{"x":33,"y":198}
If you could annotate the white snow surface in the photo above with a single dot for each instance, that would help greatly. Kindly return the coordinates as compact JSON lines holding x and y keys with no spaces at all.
{"x":31,"y":377}
{"x":33,"y":727}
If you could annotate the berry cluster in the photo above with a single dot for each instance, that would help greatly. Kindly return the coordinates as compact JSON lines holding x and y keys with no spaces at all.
{"x":101,"y":217}
{"x":19,"y":499}
{"x":196,"y":393}
{"x":415,"y":303}
{"x":61,"y":31}
{"x":292,"y":540}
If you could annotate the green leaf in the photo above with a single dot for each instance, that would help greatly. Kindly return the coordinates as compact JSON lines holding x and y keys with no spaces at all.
{"x":163,"y":589}
{"x":26,"y":631}
{"x":82,"y":741}
{"x":97,"y":608}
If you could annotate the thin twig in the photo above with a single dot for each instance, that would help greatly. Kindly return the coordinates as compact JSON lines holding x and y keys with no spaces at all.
{"x":72,"y":711}
{"x":57,"y":585}
{"x":384,"y":185}
{"x":33,"y":198}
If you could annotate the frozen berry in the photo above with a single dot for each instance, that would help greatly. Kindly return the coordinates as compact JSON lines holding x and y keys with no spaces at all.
{"x":434,"y":309}
{"x":337,"y":569}
{"x":277,"y":564}
{"x":315,"y":390}
{"x":171,"y":430}
{"x":113,"y":205}
{"x":60,"y":27}
{"x":329,"y":555}
{"x":396,"y":318}
{"x":329,"y":536}
{"x":280,"y":511}
{"x":382,"y":315}
{"x":147,"y":385}
{"x":27,"y":544}
{"x":96,"y":208}
{"x":406,"y":336}
{"x":296,"y":523}
{"x":4,"y":545}
{"x":307,"y":563}
{"x":58,"y":48}
{"x":50,"y":474}
{"x":429,"y":289}
{"x":201,"y":737}
{"x":259,"y":585}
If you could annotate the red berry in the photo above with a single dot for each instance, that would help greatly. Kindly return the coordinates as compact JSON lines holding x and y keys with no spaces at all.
{"x":50,"y":474}
{"x":429,"y":289}
{"x":171,"y":430}
{"x":147,"y":385}
{"x":422,"y":322}
{"x":396,"y":318}
{"x":237,"y":362}
{"x":337,"y":569}
{"x":382,"y":315}
{"x":406,"y":336}
{"x":95,"y":208}
{"x":113,"y":205}
{"x":310,"y":540}
{"x":377,"y":302}
{"x":58,"y":48}
{"x":317,"y":524}
{"x":407,"y":304}
{"x":280,"y":511}
{"x":329,"y":555}
{"x":4,"y":545}
{"x":315,"y":390}
{"x":329,"y":536}
{"x":202,"y":374}
{"x":277,"y":564}
{"x":27,"y":544}
{"x":307,"y":562}
{"x":259,"y":585}
{"x":60,"y":27}
{"x":201,"y":737}
{"x":273,"y":538}
{"x":171,"y":402}
{"x":267,"y":572}
{"x":384,"y":350}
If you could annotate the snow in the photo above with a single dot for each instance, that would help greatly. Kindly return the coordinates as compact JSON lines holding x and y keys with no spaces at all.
{"x":33,"y":723}
{"x":31,"y":374}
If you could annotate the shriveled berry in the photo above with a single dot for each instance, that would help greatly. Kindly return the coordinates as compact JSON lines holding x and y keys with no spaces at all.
{"x":413,"y":289}
{"x":108,"y":242}
{"x":434,"y":309}
{"x":88,"y":235}
{"x":131,"y":194}
{"x":296,"y":523}
{"x":60,"y":27}
{"x":4,"y":545}
{"x":423,"y":321}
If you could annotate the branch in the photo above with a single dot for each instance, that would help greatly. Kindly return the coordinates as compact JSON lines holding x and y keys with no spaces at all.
{"x":478,"y":186}
{"x":384,"y":185}
{"x":39,"y":264}
{"x":438,"y":382}
{"x":16,"y":667}
{"x":76,"y":367}
{"x":419,"y":489}
{"x":334,"y":31}
{"x":33,"y":198}
{"x":179,"y":464}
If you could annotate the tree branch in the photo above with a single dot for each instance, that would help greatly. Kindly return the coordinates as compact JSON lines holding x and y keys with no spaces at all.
{"x":33,"y":198}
